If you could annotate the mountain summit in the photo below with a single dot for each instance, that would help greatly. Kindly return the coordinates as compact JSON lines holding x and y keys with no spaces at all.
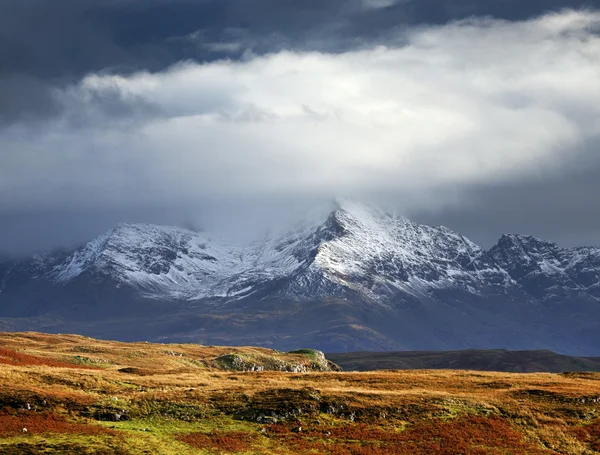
{"x":359,"y":277}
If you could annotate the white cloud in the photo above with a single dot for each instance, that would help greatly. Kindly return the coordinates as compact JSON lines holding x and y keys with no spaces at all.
{"x":460,"y":104}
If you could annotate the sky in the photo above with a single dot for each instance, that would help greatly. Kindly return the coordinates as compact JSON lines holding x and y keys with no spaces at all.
{"x":230,"y":115}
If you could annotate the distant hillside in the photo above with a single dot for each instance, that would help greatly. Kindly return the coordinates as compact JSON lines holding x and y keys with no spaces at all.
{"x":483,"y":360}
{"x":22,"y":349}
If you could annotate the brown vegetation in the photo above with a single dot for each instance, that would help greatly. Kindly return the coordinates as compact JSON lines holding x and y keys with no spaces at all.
{"x":470,"y":435}
{"x":237,"y":441}
{"x":35,"y":423}
{"x":182,"y":401}
{"x":10,"y":357}
{"x":590,"y":435}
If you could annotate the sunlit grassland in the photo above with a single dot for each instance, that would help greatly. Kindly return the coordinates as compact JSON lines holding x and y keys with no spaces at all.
{"x":71,"y":394}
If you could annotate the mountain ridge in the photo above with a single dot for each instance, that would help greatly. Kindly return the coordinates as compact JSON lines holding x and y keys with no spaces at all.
{"x":369,"y":268}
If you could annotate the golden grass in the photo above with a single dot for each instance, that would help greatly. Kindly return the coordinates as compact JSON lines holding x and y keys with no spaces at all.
{"x":176,"y":399}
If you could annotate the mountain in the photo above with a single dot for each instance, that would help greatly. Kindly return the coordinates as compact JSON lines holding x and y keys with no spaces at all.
{"x":358,"y":278}
{"x":546,"y":271}
{"x":472,"y":359}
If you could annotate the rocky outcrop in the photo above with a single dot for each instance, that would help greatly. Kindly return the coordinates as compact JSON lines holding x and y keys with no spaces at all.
{"x":302,"y":361}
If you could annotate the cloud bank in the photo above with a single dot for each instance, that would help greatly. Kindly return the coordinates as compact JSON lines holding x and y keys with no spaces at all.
{"x":419,"y":120}
{"x":464,"y":103}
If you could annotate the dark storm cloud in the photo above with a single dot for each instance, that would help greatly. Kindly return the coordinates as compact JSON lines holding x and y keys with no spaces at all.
{"x":47,"y":44}
{"x":561,"y":207}
{"x":97,"y":126}
{"x":26,"y":232}
{"x":25,"y":98}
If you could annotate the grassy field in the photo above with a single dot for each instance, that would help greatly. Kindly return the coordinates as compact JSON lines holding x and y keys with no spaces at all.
{"x":71,"y":394}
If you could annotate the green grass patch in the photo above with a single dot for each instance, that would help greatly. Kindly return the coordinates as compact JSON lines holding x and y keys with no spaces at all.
{"x":161,"y":435}
{"x":88,"y":361}
{"x":312,"y":353}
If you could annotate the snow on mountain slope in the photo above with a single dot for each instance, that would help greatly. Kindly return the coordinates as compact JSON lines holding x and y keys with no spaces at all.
{"x":169,"y":262}
{"x":158,"y":260}
{"x":584,"y":265}
{"x":354,"y":248}
{"x":376,"y":253}
{"x":544,"y":269}
{"x":355,"y":245}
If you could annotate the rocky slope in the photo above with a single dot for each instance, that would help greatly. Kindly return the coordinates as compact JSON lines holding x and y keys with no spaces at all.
{"x":359,"y":277}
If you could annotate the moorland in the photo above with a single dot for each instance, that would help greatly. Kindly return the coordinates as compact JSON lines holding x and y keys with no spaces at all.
{"x":72,"y":394}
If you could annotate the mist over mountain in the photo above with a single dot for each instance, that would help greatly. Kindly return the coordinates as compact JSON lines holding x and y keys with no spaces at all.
{"x":356,"y":278}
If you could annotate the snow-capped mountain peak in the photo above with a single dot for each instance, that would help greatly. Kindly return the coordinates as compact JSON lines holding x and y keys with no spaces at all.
{"x":379,"y":253}
{"x":546,"y":270}
{"x":355,"y":249}
{"x":352,"y":267}
{"x":176,"y":262}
